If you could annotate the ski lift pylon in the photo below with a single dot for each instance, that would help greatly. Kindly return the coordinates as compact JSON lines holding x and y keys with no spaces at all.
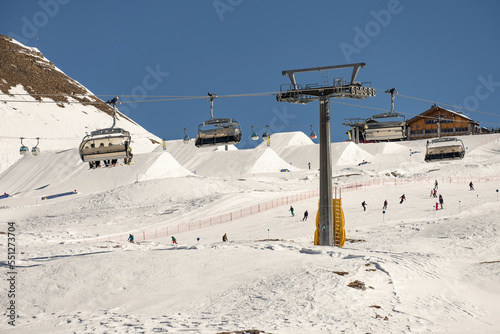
{"x":218,"y":131}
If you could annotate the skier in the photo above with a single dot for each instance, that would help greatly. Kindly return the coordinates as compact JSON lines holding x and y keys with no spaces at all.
{"x":437,"y":206}
{"x":130,"y":238}
{"x":471,"y":186}
{"x":174,"y":240}
{"x":436,"y":184}
{"x":364,"y":205}
{"x":402,"y":198}
{"x":435,"y":193}
{"x":441,"y":201}
{"x":224,"y":237}
{"x":309,"y":164}
{"x":291,"y":210}
{"x":306,"y":214}
{"x":129,"y":160}
{"x":385,"y":205}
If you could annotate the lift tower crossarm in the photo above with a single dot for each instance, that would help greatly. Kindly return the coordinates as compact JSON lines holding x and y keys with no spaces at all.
{"x":355,"y":71}
{"x":328,"y":235}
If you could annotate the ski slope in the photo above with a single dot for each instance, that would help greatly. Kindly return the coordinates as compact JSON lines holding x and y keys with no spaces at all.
{"x":422,"y":270}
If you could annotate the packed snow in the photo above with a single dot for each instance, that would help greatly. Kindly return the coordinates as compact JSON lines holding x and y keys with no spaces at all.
{"x":410,"y":269}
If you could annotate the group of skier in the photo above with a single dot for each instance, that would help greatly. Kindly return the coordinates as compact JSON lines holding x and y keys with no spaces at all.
{"x":131,"y":239}
{"x":363,"y":204}
{"x":292,"y":211}
{"x":433,"y":194}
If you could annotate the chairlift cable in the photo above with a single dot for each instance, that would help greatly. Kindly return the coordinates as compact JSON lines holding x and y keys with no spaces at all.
{"x":166,"y":98}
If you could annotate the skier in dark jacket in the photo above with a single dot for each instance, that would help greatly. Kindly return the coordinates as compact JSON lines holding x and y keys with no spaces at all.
{"x":402,"y":198}
{"x":471,"y":186}
{"x":441,"y":201}
{"x":364,"y":205}
{"x":291,"y":210}
{"x":130,"y":238}
{"x":224,"y":237}
{"x":306,"y":214}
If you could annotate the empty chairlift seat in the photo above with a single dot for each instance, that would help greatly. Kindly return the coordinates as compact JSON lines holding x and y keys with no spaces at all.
{"x":444,"y":149}
{"x":383,"y":131}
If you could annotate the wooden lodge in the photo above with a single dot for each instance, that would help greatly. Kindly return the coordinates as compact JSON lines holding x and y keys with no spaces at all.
{"x":440,"y":122}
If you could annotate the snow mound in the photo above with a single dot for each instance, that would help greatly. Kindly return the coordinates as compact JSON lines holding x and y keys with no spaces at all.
{"x":280,"y":141}
{"x":348,"y":153}
{"x":164,"y":166}
{"x":238,"y":163}
{"x":183,"y":153}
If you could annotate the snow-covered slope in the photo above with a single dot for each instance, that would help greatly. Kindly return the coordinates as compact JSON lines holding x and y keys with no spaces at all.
{"x":46,"y":104}
{"x":32,"y":177}
{"x":411,"y":269}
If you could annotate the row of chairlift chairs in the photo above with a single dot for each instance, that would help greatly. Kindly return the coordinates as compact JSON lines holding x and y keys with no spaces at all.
{"x":438,"y":149}
{"x":24,"y":150}
{"x":114,"y":143}
{"x":223,"y":131}
{"x":254,"y":136}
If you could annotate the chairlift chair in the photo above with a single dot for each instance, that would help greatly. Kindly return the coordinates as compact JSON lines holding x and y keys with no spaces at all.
{"x":266,"y":134}
{"x":313,"y":134}
{"x":444,"y":149}
{"x":218,"y":131}
{"x":35,"y":150}
{"x":106,"y":144}
{"x":24,"y":149}
{"x":386,"y":130}
{"x":255,"y":136}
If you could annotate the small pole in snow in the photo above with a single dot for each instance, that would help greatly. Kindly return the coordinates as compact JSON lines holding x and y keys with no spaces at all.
{"x":198,"y":239}
{"x":268,"y":233}
{"x":497,"y":195}
{"x":433,"y":211}
{"x":477,"y":196}
{"x":383,"y":216}
{"x":459,"y":202}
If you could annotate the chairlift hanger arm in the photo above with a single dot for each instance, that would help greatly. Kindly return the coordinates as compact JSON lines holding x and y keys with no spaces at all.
{"x":355,"y":71}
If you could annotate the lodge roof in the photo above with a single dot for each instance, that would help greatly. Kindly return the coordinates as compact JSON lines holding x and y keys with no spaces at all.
{"x":436,"y":107}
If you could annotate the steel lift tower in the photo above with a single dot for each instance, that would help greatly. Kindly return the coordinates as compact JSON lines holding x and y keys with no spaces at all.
{"x":339,"y":88}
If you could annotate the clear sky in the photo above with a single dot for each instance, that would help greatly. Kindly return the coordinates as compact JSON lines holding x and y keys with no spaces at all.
{"x":444,"y":51}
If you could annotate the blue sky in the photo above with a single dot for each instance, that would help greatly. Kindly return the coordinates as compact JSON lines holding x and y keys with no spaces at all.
{"x":443,"y":51}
